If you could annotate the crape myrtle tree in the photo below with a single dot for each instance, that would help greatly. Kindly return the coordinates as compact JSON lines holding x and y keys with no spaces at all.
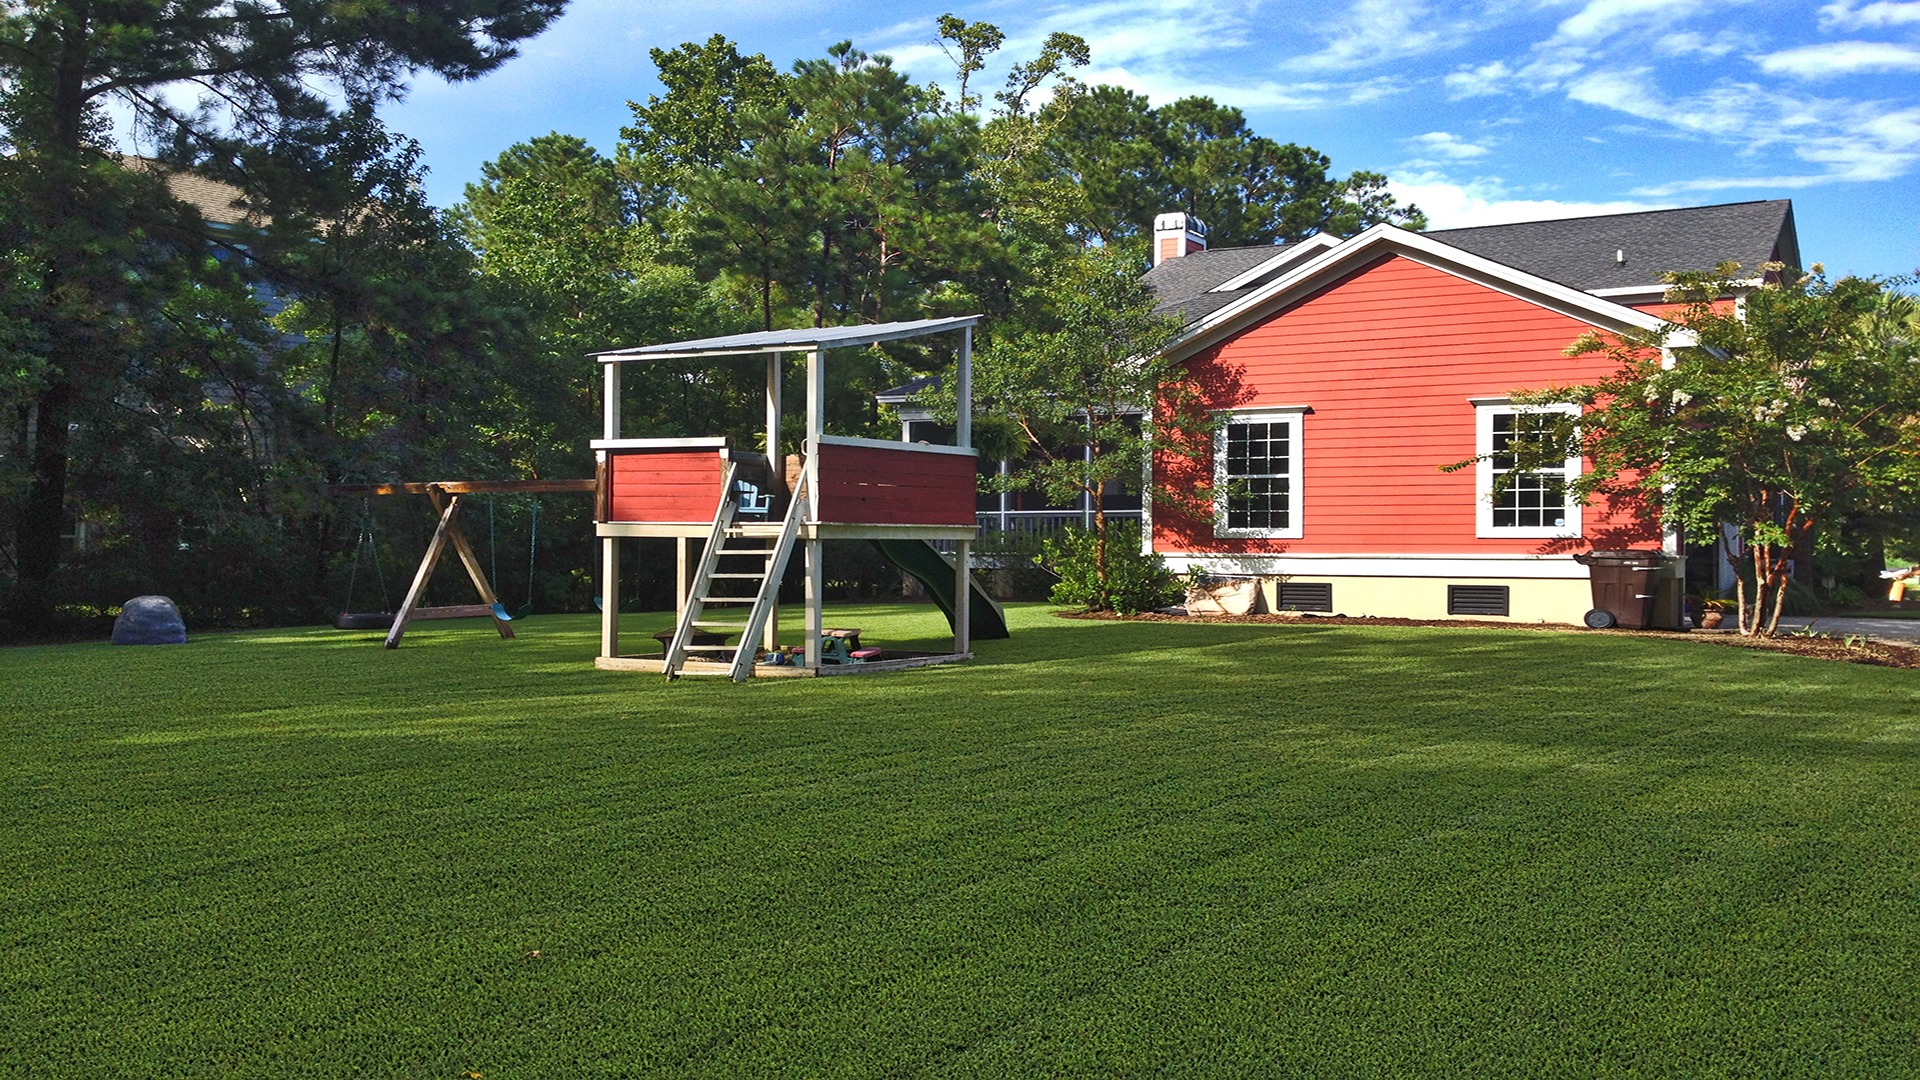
{"x":226,"y":88}
{"x":1780,"y":423}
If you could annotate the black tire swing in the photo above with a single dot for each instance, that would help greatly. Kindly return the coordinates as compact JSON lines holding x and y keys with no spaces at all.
{"x":367,"y":544}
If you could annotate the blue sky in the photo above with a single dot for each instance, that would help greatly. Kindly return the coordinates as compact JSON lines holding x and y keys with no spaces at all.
{"x":1481,"y":111}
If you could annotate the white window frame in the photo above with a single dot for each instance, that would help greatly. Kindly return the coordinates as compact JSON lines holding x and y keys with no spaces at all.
{"x":1485,"y":410}
{"x":1296,"y":441}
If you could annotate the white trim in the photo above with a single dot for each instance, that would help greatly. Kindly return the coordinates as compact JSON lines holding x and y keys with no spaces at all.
{"x":1546,"y":567}
{"x":1483,"y":413}
{"x":1296,"y":458}
{"x":700,"y":443}
{"x":1283,"y":256}
{"x":1634,"y":292}
{"x":889,"y":444}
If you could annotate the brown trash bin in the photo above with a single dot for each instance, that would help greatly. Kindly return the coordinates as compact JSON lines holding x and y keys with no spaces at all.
{"x":1624,"y":589}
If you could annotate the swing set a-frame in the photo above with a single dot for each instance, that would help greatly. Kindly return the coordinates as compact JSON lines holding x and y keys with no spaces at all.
{"x":447,"y":497}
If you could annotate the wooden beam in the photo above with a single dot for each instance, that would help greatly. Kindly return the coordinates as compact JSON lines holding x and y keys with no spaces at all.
{"x":469,"y":487}
{"x":420,"y":576}
{"x":610,"y":596}
{"x":472,"y":563}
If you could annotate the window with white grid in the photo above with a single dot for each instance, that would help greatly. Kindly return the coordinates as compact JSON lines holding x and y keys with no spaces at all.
{"x":1257,"y":475}
{"x":1535,"y":503}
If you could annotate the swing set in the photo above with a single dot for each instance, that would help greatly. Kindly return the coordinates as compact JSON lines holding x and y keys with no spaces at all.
{"x":447,"y":497}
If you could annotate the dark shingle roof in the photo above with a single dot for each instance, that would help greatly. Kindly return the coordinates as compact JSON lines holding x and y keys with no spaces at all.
{"x":1178,"y":281}
{"x":901,"y":394}
{"x":1581,"y":251}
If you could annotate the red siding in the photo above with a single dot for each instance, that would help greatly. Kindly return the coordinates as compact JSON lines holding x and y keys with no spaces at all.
{"x":871,"y":486}
{"x":665,"y":485}
{"x":1387,"y":359}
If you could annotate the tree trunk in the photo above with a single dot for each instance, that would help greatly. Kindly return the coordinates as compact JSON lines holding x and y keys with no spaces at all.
{"x":43,"y":510}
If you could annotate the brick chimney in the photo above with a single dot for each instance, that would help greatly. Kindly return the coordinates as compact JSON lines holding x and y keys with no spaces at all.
{"x":1175,"y":235}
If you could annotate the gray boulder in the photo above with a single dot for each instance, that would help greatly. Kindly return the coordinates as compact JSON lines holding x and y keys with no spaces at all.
{"x":149,"y":620}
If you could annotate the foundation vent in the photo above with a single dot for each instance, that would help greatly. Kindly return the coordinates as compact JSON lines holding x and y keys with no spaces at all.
{"x":1477,"y":599}
{"x":1303,"y":596}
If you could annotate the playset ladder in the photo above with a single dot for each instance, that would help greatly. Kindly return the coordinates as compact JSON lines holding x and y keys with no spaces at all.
{"x":766,"y":594}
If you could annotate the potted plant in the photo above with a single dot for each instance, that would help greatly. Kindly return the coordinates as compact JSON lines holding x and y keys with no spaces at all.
{"x":1712,"y":605}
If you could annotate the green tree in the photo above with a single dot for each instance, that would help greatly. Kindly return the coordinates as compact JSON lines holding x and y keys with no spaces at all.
{"x":1065,"y":390}
{"x":1133,"y":161}
{"x":1786,"y":418}
{"x":266,"y":77}
{"x":968,"y":45}
{"x":564,"y":162}
{"x":696,"y":126}
{"x":558,"y":245}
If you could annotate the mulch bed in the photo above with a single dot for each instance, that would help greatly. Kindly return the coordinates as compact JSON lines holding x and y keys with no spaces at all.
{"x":1877,"y":653}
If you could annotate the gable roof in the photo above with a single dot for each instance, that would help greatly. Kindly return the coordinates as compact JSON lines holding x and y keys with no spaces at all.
{"x":1302,"y":277}
{"x":1579,"y":253}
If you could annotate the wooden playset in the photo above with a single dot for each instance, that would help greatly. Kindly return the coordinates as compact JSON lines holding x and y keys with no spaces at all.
{"x":752,"y":510}
{"x":447,"y":498}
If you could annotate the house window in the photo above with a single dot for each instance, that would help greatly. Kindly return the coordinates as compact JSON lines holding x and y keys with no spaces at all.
{"x":1256,"y":474}
{"x":1534,"y":503}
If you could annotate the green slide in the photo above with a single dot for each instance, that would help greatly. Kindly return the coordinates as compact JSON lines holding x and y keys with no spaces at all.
{"x":917,"y":557}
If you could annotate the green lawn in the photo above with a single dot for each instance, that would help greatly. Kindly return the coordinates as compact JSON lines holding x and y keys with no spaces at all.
{"x":1101,"y":849}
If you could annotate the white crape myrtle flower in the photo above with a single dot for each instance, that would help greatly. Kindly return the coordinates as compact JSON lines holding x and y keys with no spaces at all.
{"x":1796,"y":432}
{"x":1681,"y":397}
{"x":1826,"y":403}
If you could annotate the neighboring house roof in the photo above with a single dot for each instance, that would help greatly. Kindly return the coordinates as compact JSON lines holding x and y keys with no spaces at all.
{"x":1612,"y":254}
{"x":218,"y":202}
{"x":906,"y":391}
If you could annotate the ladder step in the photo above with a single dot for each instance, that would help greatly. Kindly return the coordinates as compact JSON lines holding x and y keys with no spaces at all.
{"x":729,"y":599}
{"x":707,"y":648}
{"x":719,"y":625}
{"x":740,"y":577}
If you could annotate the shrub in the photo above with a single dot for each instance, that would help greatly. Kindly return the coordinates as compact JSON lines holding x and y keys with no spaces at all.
{"x":1135,"y":582}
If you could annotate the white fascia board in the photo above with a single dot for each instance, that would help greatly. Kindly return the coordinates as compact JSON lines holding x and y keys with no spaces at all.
{"x":1384,"y":239}
{"x":1283,"y":256}
{"x":1659,"y":292}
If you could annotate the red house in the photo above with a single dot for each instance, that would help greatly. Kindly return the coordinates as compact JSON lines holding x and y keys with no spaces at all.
{"x":1359,"y":367}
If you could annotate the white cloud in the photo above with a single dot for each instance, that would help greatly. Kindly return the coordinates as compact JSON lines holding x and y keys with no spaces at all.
{"x":1601,"y":19}
{"x":1689,"y":43}
{"x":1162,"y":86}
{"x":1846,"y":15}
{"x":1852,"y":141}
{"x":1479,"y":81}
{"x":1374,"y":31}
{"x":1445,"y":144}
{"x":1486,"y":200}
{"x":1835,"y":58}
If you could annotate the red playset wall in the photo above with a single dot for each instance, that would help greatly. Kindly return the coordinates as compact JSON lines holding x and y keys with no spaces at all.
{"x":664,"y":485}
{"x":1387,"y":359}
{"x":874,"y":486}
